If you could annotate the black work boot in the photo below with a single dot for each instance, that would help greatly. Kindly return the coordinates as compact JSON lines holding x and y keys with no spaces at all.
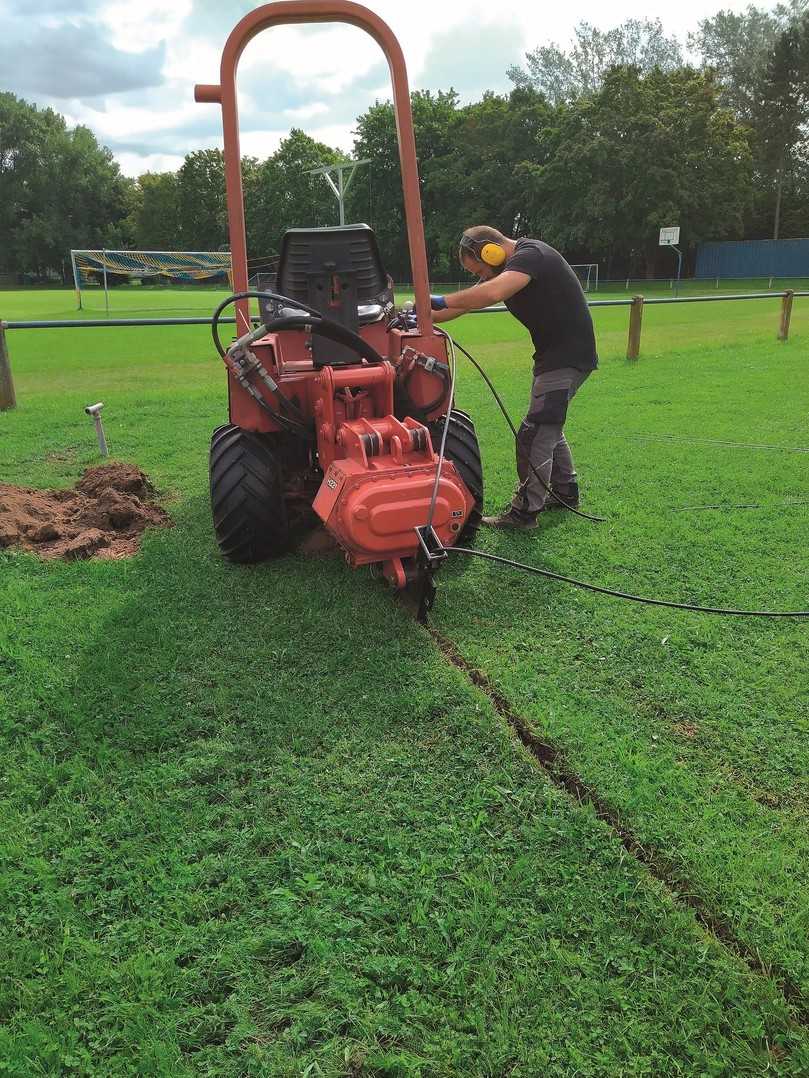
{"x":510,"y":518}
{"x":569,"y":494}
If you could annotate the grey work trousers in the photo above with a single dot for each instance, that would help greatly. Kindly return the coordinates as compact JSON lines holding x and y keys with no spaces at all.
{"x":541,"y":441}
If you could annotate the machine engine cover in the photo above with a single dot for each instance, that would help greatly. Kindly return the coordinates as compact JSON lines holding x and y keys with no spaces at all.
{"x":374,"y":513}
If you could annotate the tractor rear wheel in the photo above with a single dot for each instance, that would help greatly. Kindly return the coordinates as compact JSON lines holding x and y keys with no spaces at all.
{"x":247,"y":496}
{"x":462,"y":449}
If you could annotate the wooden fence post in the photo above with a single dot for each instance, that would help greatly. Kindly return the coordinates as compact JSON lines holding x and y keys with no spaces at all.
{"x":7,"y":397}
{"x":635,"y":320}
{"x":786,"y":314}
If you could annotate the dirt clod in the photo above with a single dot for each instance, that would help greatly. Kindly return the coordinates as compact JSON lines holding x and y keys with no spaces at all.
{"x":103,"y":516}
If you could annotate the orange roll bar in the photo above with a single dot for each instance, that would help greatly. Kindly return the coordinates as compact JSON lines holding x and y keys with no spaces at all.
{"x":299,"y":11}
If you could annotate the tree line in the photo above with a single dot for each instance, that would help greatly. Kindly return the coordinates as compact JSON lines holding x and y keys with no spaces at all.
{"x":594,"y":149}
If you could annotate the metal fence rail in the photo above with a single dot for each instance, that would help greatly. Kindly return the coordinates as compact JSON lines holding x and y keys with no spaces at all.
{"x":637,"y":303}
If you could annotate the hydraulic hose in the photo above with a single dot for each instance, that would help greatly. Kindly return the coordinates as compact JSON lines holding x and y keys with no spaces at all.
{"x":296,"y":423}
{"x":326,"y":327}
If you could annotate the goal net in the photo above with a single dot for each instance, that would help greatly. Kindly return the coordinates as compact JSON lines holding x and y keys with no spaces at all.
{"x":148,"y":280}
{"x":587,"y":272}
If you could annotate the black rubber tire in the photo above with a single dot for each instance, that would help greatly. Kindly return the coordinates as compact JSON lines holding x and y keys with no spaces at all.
{"x":462,"y":449}
{"x":247,"y":496}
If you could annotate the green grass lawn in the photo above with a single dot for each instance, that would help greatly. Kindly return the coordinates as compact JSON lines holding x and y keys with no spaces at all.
{"x":255,"y":823}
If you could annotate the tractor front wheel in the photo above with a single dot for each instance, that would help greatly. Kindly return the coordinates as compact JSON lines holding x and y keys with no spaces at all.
{"x":247,"y":496}
{"x":462,"y":449}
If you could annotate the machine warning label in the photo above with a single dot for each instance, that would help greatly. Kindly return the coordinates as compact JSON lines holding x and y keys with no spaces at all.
{"x":457,"y":512}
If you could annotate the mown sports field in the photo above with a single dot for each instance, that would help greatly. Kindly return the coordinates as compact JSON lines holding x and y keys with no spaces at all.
{"x":257,"y":821}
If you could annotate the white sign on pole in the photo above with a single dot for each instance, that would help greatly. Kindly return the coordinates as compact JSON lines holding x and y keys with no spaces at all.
{"x":669,"y":237}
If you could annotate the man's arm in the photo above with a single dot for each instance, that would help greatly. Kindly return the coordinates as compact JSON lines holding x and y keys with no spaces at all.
{"x":485,"y":294}
{"x":445,"y":315}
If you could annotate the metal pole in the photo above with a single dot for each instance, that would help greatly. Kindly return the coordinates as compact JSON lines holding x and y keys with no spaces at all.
{"x":76,"y":279}
{"x":7,"y":396}
{"x":340,"y":189}
{"x":635,"y":321}
{"x":786,"y":315}
{"x":679,"y":267}
{"x":106,"y":290}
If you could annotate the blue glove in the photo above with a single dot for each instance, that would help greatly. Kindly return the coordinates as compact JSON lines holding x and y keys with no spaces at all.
{"x":438,"y":303}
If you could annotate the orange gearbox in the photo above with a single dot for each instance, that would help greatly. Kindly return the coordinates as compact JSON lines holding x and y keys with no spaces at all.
{"x":375,"y":497}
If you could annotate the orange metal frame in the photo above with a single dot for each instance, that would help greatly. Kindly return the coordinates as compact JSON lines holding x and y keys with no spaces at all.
{"x":298,"y":11}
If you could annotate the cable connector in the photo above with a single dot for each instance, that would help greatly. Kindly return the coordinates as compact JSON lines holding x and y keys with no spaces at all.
{"x":429,"y":556}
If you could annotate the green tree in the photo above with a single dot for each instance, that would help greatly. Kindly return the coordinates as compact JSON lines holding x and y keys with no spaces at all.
{"x":565,"y":75}
{"x":780,"y":112}
{"x":282,"y":195}
{"x":480,"y":181}
{"x":436,"y":122}
{"x":738,"y":45}
{"x":59,"y":189}
{"x":759,"y":58}
{"x":154,"y":221}
{"x":645,"y":151}
{"x":201,"y":201}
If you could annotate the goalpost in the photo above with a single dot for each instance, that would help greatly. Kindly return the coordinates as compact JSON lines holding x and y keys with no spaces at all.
{"x":108,"y":269}
{"x":587,"y":272}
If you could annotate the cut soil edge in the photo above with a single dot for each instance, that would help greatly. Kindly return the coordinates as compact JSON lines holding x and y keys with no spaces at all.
{"x":103,"y":516}
{"x":682,"y":892}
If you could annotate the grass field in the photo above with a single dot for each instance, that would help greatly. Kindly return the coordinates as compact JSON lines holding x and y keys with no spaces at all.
{"x":258,"y":822}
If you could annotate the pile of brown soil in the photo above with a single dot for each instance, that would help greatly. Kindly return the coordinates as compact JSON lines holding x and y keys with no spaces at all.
{"x":103,"y":516}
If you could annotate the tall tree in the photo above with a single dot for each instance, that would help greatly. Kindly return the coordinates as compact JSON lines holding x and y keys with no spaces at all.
{"x":565,"y":75}
{"x":436,"y":120}
{"x":58,"y":189}
{"x":154,"y":223}
{"x":780,"y":111}
{"x":284,"y":195}
{"x":201,"y":203}
{"x":738,"y":45}
{"x":479,"y":181}
{"x":645,"y":151}
{"x":760,"y":59}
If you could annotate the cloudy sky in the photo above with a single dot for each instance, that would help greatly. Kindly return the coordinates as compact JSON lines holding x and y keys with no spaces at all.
{"x":127,"y":68}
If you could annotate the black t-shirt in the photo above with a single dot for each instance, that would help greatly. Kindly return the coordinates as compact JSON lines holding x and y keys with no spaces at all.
{"x":553,"y":309}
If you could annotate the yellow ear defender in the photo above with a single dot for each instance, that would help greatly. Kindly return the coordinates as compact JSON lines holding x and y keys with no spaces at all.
{"x":491,"y":254}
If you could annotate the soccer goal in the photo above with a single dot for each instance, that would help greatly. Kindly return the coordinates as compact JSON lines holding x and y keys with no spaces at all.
{"x":149,"y":280}
{"x":587,"y":272}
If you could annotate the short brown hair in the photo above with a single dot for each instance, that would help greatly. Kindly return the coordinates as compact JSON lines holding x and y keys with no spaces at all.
{"x":483,"y":234}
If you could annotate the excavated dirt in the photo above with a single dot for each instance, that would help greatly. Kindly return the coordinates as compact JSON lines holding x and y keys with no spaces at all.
{"x":103,"y":516}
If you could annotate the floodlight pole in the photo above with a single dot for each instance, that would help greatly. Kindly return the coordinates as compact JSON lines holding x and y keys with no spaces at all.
{"x":339,"y":188}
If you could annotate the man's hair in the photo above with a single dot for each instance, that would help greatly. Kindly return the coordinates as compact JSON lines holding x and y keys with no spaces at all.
{"x":483,"y":234}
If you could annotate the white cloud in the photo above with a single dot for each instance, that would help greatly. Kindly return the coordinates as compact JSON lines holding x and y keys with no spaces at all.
{"x":136,"y":164}
{"x":306,"y":112}
{"x":127,"y":70}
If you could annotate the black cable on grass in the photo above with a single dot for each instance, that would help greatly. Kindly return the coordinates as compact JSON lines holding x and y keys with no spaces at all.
{"x":676,"y":439}
{"x":626,"y":595}
{"x":744,"y":505}
{"x":496,"y":395}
